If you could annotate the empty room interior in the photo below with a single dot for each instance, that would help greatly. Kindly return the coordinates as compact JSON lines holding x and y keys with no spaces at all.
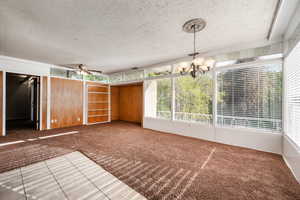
{"x":157,"y":100}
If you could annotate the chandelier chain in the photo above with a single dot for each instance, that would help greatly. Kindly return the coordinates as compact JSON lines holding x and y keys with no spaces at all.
{"x":194,"y":27}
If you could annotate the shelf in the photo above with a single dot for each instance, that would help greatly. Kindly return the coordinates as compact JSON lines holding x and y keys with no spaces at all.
{"x":104,"y":86}
{"x":97,"y":115}
{"x":98,"y":109}
{"x":98,"y":102}
{"x":98,"y":92}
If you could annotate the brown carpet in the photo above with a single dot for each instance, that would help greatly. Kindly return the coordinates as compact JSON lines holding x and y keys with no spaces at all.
{"x":161,"y":165}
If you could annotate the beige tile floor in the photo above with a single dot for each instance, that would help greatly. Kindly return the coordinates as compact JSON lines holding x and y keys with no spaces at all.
{"x":72,"y":176}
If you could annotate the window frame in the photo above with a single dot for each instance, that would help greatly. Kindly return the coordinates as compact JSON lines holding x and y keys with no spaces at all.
{"x":259,"y":63}
{"x":214,"y":72}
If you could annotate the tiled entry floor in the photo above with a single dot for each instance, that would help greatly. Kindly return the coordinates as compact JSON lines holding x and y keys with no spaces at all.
{"x":72,"y":176}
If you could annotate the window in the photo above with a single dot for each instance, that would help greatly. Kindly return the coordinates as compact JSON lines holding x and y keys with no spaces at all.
{"x":179,"y":66}
{"x":96,"y":77}
{"x":158,"y":98}
{"x":250,"y":97}
{"x":292,"y":78}
{"x":193,"y":98}
{"x":65,"y":73}
{"x":134,"y":75}
{"x":158,"y":71}
{"x":116,"y":77}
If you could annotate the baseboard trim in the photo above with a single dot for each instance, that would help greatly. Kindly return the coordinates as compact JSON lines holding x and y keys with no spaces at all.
{"x":291,"y":169}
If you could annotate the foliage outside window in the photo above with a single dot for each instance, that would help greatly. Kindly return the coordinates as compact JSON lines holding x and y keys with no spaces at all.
{"x":246,"y":97}
{"x":134,"y":75}
{"x":94,"y":77}
{"x":74,"y":75}
{"x":250,"y":97}
{"x":164,"y":92}
{"x":116,"y":77}
{"x":158,"y":71}
{"x":179,"y":66}
{"x":65,"y":73}
{"x":58,"y":72}
{"x":193,"y":98}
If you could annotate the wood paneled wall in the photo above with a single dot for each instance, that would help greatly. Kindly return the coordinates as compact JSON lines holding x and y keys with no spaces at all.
{"x":1,"y":103}
{"x":66,"y":103}
{"x":127,"y":103}
{"x":98,"y":102}
{"x":44,"y":80}
{"x":114,"y":101}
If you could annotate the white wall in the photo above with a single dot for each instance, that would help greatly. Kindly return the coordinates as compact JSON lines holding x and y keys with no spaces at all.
{"x":189,"y":129}
{"x":294,"y":22}
{"x":291,"y":155}
{"x":254,"y":139}
{"x":250,"y":138}
{"x":21,"y":66}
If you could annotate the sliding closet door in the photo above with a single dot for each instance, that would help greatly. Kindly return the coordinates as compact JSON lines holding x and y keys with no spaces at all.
{"x":131,"y":103}
{"x":66,"y":102}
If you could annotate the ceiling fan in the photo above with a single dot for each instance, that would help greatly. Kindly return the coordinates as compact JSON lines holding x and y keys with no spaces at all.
{"x":81,"y":69}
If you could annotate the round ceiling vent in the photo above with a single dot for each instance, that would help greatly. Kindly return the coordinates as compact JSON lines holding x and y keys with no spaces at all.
{"x":198,"y":24}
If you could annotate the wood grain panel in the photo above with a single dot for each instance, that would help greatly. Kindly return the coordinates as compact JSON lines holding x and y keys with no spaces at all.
{"x":97,"y":119}
{"x":91,"y":83}
{"x":98,"y":88}
{"x":114,"y":101}
{"x":98,"y":112}
{"x":44,"y":102}
{"x":66,"y":102}
{"x":97,"y":97}
{"x":1,"y":103}
{"x":92,"y":106}
{"x":131,"y":103}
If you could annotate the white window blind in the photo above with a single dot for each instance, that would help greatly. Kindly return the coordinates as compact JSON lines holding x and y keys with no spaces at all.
{"x":250,"y":97}
{"x":292,"y":85}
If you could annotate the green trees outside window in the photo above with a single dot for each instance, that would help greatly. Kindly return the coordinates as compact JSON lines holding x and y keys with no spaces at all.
{"x":193,"y":98}
{"x":248,"y":97}
{"x":164,"y":98}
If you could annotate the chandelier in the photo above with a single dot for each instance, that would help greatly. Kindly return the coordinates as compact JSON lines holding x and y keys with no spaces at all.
{"x":199,"y":65}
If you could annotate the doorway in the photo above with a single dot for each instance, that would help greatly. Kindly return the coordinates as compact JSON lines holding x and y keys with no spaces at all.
{"x":22,"y":102}
{"x":127,"y":102}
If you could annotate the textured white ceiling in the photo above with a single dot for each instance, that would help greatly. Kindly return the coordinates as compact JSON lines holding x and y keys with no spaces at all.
{"x":120,"y":34}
